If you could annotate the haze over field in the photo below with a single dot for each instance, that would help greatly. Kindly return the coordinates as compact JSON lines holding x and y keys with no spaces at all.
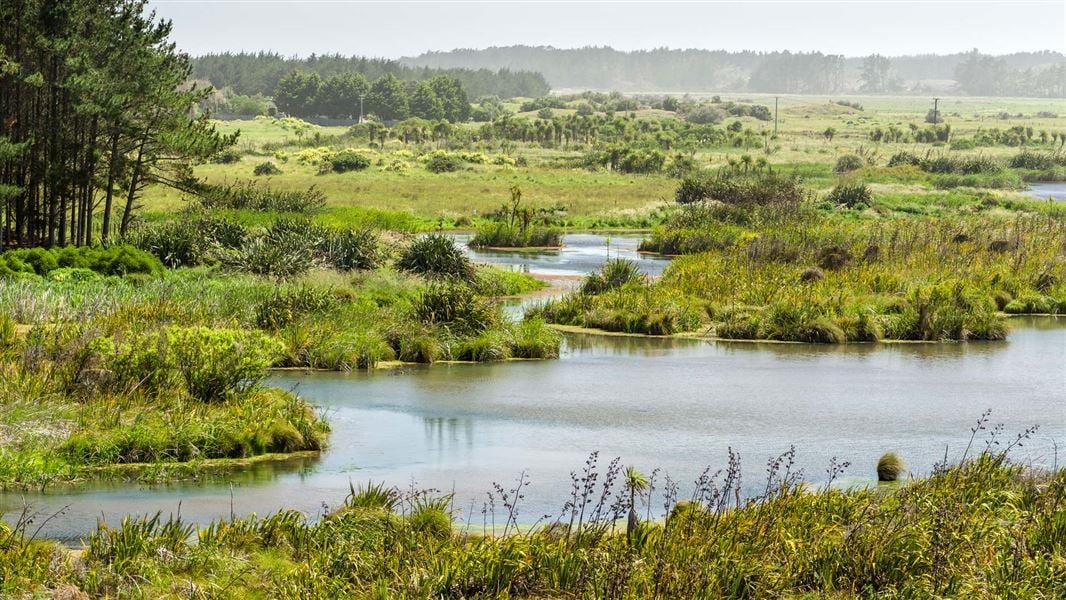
{"x":397,"y":29}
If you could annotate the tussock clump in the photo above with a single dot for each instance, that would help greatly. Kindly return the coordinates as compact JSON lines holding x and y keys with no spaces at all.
{"x":615,"y":273}
{"x":851,"y":196}
{"x":848,"y":163}
{"x":436,"y":256}
{"x":812,"y":274}
{"x":889,"y":467}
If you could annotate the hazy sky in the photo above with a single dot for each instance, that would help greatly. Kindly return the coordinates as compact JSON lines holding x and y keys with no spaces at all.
{"x":406,"y":28}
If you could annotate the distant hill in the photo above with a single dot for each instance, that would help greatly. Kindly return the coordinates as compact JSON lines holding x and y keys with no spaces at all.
{"x":1038,"y":74}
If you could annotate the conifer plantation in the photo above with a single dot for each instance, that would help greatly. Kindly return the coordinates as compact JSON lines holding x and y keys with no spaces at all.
{"x":95,"y":108}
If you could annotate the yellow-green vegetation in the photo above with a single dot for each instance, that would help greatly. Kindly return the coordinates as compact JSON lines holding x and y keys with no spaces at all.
{"x":832,"y":280}
{"x":79,"y":396}
{"x":615,"y":169}
{"x":982,"y":529}
{"x":769,"y":259}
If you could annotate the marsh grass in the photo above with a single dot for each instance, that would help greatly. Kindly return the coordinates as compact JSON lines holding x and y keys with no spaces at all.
{"x":833,"y":280}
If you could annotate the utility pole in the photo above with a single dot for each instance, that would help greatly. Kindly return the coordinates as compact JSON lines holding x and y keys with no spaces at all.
{"x":776,"y":98}
{"x":936,"y":113}
{"x":361,"y":96}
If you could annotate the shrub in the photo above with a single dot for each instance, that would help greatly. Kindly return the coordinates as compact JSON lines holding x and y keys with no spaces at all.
{"x":812,"y":274}
{"x":286,"y":248}
{"x":214,"y":364}
{"x":266,"y":168}
{"x":348,"y":160}
{"x":904,"y":158}
{"x":227,"y":157}
{"x":442,"y":162}
{"x":353,"y":249}
{"x":744,"y":189}
{"x":116,"y":260}
{"x":436,"y":255}
{"x":534,"y":339}
{"x":1027,"y":159}
{"x":833,"y":258}
{"x":851,"y":195}
{"x":889,"y":467}
{"x":503,"y":235}
{"x":848,"y":163}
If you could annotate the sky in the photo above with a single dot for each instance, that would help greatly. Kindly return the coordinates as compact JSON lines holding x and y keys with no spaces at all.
{"x":408,"y":28}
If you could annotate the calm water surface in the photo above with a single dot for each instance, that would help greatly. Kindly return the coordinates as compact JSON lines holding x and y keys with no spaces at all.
{"x":1054,"y":190}
{"x":673,"y":404}
{"x":581,"y":254}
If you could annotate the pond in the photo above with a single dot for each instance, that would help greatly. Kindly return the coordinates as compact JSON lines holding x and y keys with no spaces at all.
{"x":678,"y":405}
{"x":1044,"y":190}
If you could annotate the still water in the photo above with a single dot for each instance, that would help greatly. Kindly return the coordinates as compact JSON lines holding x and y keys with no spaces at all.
{"x":1053,"y":190}
{"x":673,"y":404}
{"x":581,"y":254}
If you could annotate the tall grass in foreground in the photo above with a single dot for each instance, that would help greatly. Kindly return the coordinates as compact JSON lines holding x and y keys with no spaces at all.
{"x":981,"y":528}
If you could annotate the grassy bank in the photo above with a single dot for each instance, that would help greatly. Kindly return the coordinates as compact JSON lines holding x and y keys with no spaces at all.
{"x":984,"y":528}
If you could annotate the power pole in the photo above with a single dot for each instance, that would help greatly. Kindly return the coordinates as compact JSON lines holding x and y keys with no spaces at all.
{"x":361,"y":96}
{"x":936,"y":113}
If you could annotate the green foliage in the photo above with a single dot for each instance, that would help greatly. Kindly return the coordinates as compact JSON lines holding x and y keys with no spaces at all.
{"x":266,"y":169}
{"x":291,"y":304}
{"x":851,"y":195}
{"x":216,"y":363}
{"x":443,"y":162}
{"x":116,"y":260}
{"x":250,"y":195}
{"x":436,"y":256}
{"x":848,"y":163}
{"x":454,"y":306}
{"x":348,"y":160}
{"x":615,"y":273}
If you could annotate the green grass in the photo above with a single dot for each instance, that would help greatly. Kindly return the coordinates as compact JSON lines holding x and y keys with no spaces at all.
{"x":955,"y":534}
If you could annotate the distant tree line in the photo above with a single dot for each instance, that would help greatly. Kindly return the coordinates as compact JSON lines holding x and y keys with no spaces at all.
{"x":94,"y":106}
{"x":1038,"y":74}
{"x":303,"y":94}
{"x":260,"y":73}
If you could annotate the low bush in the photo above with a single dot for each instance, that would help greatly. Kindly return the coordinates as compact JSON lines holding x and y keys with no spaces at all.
{"x":115,"y":260}
{"x":436,"y":256}
{"x":348,"y":160}
{"x":848,"y":163}
{"x":250,"y":195}
{"x":215,"y":364}
{"x":265,"y":169}
{"x":851,"y":195}
{"x":443,"y":162}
